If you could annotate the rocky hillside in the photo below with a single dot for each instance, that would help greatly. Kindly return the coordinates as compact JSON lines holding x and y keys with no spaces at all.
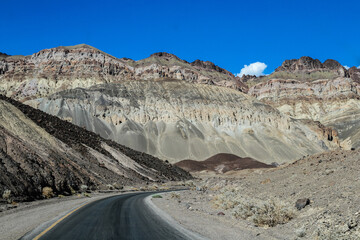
{"x":62,"y":68}
{"x":177,"y":110}
{"x":308,"y":89}
{"x":175,"y":120}
{"x":38,"y":150}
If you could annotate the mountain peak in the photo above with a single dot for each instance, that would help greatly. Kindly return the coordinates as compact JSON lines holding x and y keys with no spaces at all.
{"x":3,"y":55}
{"x":308,"y":64}
{"x":82,"y":45}
{"x":165,"y":55}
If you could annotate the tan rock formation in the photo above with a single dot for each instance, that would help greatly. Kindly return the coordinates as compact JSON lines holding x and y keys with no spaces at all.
{"x":175,"y":120}
{"x":61,"y":68}
{"x":309,"y":89}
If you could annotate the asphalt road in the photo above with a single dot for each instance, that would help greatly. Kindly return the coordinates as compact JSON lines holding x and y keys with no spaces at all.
{"x":121,"y":217}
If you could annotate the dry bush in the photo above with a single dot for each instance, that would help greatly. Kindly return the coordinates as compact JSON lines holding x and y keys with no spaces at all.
{"x":118,"y":186}
{"x":47,"y":192}
{"x":72,"y":191}
{"x":83,"y":188}
{"x":86,"y":194}
{"x":7,"y":195}
{"x":175,"y":195}
{"x":262,"y":213}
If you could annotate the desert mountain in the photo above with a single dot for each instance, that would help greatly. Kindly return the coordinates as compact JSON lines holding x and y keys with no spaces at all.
{"x":175,"y":120}
{"x":161,"y":105}
{"x":62,"y":68}
{"x":305,"y":88}
{"x":39,"y":150}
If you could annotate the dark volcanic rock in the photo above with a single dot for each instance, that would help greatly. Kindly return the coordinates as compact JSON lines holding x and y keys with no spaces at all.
{"x":308,"y":65}
{"x":304,"y":63}
{"x":354,"y":73}
{"x":301,"y":203}
{"x":166,"y":55}
{"x":3,"y":55}
{"x":208,"y":65}
{"x":331,"y":64}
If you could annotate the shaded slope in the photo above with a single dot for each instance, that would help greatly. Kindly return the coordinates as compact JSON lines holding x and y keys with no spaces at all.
{"x":221,"y":163}
{"x":39,"y":150}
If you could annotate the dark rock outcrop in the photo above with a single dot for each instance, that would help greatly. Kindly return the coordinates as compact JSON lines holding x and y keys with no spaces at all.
{"x":308,"y":65}
{"x":354,"y":74}
{"x":301,"y":203}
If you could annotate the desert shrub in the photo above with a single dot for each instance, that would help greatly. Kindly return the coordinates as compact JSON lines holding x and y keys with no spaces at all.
{"x":262,"y":213}
{"x":86,"y":194}
{"x":83,"y":188}
{"x":72,"y":191}
{"x":118,"y":186}
{"x":175,"y":195}
{"x":271,"y":213}
{"x":7,"y":195}
{"x":189,"y":183}
{"x":47,"y":192}
{"x":110,"y":187}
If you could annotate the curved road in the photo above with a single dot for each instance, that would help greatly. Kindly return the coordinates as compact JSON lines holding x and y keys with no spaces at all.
{"x":121,"y":217}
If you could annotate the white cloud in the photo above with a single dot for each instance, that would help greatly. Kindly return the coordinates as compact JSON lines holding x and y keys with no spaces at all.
{"x":346,"y":67}
{"x":256,"y":69}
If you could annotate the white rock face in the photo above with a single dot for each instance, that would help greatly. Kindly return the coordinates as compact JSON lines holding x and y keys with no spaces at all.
{"x":175,"y":120}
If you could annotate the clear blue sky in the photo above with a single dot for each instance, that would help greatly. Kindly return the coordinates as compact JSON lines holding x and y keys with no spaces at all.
{"x":228,"y":33}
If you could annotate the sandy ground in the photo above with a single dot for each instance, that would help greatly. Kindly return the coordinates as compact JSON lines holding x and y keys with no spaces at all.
{"x":198,"y":215}
{"x":15,"y":223}
{"x":329,"y":180}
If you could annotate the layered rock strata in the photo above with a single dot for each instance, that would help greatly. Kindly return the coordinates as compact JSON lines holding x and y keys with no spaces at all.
{"x":176,"y":120}
{"x":309,"y":89}
{"x":62,"y":68}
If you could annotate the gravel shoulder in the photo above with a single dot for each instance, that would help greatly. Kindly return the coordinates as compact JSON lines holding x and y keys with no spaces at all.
{"x":199,"y":216}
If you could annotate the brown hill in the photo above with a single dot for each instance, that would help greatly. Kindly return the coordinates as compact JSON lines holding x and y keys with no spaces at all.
{"x":221,"y":163}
